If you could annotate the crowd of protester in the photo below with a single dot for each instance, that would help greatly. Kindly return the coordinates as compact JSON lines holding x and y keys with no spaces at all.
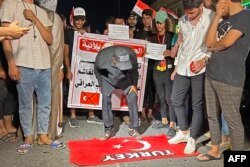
{"x":200,"y":72}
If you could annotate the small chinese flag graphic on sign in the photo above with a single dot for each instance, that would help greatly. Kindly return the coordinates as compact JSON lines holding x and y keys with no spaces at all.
{"x":124,"y":102}
{"x":91,"y":98}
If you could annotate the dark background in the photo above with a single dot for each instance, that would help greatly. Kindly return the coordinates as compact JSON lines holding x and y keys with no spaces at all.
{"x":97,"y":10}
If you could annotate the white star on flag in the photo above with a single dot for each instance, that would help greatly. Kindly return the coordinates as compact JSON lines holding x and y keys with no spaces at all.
{"x":117,"y":146}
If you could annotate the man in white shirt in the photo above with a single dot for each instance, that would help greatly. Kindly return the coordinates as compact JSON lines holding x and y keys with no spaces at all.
{"x":190,"y":68}
{"x":29,"y":64}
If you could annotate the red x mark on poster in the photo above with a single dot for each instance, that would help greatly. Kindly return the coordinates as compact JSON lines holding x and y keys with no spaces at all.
{"x":91,"y":98}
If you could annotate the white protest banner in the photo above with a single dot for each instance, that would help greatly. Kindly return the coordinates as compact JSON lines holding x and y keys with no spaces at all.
{"x":155,"y":51}
{"x":84,"y":91}
{"x":120,"y":32}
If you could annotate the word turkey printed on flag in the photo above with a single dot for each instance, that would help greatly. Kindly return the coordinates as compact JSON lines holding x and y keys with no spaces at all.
{"x":118,"y":150}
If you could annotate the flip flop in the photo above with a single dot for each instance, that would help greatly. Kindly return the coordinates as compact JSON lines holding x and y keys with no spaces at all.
{"x":10,"y":138}
{"x":23,"y":149}
{"x":209,"y":157}
{"x":55,"y":144}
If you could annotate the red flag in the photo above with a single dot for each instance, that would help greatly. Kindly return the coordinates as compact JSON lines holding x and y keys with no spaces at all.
{"x":90,"y":98}
{"x":71,"y":17}
{"x":170,"y":12}
{"x":118,"y":150}
{"x":140,"y":6}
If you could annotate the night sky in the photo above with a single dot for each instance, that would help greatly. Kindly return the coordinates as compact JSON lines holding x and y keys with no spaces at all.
{"x":97,"y":10}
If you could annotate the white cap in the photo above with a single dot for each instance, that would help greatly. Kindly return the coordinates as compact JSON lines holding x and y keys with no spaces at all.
{"x":79,"y":12}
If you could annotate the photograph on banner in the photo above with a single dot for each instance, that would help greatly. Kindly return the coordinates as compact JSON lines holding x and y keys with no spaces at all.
{"x":155,"y":51}
{"x":120,"y":32}
{"x":84,"y":90}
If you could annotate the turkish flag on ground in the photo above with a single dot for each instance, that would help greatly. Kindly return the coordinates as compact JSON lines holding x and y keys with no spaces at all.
{"x":91,"y":98}
{"x":118,"y":150}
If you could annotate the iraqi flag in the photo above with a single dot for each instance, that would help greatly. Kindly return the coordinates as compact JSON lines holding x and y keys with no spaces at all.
{"x":140,"y":6}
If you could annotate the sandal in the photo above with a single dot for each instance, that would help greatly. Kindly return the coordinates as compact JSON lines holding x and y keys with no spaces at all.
{"x":23,"y":149}
{"x":107,"y":135}
{"x":55,"y":144}
{"x":10,"y":138}
{"x":208,"y":156}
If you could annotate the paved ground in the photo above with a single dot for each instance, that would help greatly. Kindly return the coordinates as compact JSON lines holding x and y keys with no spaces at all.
{"x":45,"y":157}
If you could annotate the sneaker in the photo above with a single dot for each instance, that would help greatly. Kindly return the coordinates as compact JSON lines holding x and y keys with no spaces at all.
{"x":107,"y":135}
{"x":190,"y":147}
{"x":95,"y":120}
{"x":159,"y":125}
{"x":135,"y":134}
{"x":207,"y":135}
{"x":171,"y":132}
{"x":73,"y":123}
{"x":180,"y":137}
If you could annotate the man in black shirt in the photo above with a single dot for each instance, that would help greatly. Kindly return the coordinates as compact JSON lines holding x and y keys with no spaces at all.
{"x":228,"y":38}
{"x":116,"y":67}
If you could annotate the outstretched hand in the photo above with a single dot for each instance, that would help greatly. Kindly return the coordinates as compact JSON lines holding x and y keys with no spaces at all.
{"x":16,"y":31}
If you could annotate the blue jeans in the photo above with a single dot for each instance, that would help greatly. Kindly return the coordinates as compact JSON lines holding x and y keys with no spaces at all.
{"x":224,"y":126}
{"x":38,"y":81}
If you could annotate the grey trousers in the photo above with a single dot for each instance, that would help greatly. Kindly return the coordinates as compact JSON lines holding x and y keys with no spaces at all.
{"x":163,"y":86}
{"x":181,"y":87}
{"x":225,"y":98}
{"x":107,"y":114}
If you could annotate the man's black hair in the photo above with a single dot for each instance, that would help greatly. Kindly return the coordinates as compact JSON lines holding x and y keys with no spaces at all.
{"x":148,"y":12}
{"x":190,"y":4}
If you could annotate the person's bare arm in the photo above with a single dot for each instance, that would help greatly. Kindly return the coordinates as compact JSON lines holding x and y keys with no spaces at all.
{"x":67,"y":62}
{"x":175,"y":48}
{"x":14,"y":72}
{"x":2,"y":72}
{"x":228,"y":40}
{"x":44,"y":31}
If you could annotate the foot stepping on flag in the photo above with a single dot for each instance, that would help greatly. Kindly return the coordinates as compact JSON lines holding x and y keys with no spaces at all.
{"x":118,"y":150}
